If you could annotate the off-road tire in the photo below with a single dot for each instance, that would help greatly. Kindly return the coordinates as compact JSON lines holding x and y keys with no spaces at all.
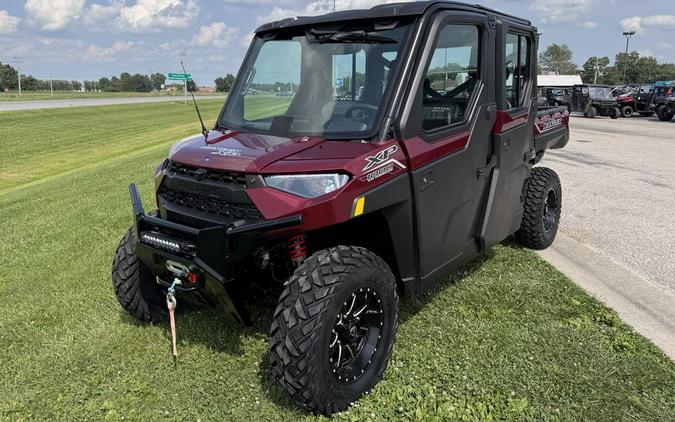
{"x":304,"y":320}
{"x":614,"y":113}
{"x":663,"y":114}
{"x":590,"y":112}
{"x":533,"y":232}
{"x":627,"y":111}
{"x":134,"y":284}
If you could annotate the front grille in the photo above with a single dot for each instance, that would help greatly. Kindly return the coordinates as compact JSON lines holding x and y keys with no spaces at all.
{"x":198,"y":173}
{"x":230,"y":210}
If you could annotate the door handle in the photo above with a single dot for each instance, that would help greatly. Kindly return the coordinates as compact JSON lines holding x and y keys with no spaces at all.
{"x":506,"y":144}
{"x":426,"y":181}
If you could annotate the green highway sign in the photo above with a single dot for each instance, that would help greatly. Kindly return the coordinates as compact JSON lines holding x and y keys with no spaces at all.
{"x":179,"y":76}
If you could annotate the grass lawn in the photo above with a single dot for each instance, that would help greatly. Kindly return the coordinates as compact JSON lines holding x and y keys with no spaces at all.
{"x":507,"y":337}
{"x":68,"y":95}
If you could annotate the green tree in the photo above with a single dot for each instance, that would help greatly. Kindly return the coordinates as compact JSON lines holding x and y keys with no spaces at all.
{"x":558,"y":58}
{"x":595,"y":69}
{"x":77,"y":85}
{"x":158,"y":79}
{"x":9,"y":78}
{"x":224,"y":84}
{"x":126,"y":83}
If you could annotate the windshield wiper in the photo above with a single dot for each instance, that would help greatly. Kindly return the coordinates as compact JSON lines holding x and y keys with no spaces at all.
{"x":347,"y":37}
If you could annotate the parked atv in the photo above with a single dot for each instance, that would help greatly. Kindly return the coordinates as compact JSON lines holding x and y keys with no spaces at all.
{"x":661,"y":95}
{"x":643,"y":100}
{"x":667,"y":112}
{"x":559,"y":96}
{"x":401,"y":156}
{"x":593,"y":100}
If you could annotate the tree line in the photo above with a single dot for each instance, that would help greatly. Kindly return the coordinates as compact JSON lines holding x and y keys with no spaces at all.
{"x":558,"y":59}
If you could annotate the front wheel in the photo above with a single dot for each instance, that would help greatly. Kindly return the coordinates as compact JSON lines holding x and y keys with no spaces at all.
{"x":334,"y":328}
{"x":590,"y":112}
{"x":614,"y":113}
{"x":134,"y":284}
{"x":627,"y":111}
{"x":541,"y":209}
{"x":663,"y":114}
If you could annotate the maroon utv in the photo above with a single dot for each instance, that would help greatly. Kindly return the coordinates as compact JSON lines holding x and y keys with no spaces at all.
{"x":361,"y":157}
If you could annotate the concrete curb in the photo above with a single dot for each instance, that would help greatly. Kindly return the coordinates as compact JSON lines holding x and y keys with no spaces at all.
{"x":647,"y":308}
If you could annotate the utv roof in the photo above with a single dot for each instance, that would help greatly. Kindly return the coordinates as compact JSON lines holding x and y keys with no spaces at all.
{"x":392,"y":10}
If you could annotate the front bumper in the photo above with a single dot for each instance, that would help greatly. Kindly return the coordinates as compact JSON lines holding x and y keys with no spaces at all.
{"x":202,"y":258}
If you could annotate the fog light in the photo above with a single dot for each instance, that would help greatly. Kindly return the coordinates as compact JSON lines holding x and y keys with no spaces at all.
{"x":160,"y":242}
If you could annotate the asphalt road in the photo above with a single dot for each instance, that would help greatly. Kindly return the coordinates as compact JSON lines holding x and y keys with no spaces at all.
{"x":87,"y":102}
{"x":618,"y":219}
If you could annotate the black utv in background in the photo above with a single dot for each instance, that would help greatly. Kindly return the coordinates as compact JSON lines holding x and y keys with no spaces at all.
{"x":593,"y":100}
{"x":668,"y":110}
{"x":558,"y":96}
{"x":643,"y":100}
{"x":661,"y":95}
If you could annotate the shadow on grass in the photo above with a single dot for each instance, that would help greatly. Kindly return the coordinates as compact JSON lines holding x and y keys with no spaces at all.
{"x":211,"y":328}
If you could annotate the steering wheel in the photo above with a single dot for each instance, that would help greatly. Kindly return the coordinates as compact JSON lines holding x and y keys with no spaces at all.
{"x":360,"y":111}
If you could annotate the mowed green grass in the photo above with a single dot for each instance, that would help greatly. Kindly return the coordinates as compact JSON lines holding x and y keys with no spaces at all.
{"x":257,"y":107}
{"x":68,"y":95}
{"x":506,"y":338}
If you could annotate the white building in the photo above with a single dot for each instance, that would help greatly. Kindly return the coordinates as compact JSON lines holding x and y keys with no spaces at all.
{"x":558,"y":80}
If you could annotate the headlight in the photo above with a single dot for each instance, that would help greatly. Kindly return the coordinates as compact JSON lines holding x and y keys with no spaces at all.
{"x":307,"y":185}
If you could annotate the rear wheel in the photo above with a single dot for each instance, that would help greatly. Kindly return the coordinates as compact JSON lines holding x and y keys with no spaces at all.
{"x":134,"y":284}
{"x":614,"y":113}
{"x":542,"y":206}
{"x":334,"y":328}
{"x":627,"y":111}
{"x":590,"y":112}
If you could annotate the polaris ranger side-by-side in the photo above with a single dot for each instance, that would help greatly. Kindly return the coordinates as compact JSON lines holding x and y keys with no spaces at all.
{"x":404,"y":148}
{"x":593,"y":100}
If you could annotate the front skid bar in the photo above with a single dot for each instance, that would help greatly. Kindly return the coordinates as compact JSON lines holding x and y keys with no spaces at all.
{"x":212,"y":254}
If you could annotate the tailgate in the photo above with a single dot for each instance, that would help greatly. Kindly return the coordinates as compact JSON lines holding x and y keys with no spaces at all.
{"x":551,"y":128}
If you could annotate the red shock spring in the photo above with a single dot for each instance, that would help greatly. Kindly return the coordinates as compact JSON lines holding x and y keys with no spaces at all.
{"x":297,"y":249}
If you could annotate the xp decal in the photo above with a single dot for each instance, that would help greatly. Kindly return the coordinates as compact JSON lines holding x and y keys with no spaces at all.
{"x":380,"y":157}
{"x":228,"y":152}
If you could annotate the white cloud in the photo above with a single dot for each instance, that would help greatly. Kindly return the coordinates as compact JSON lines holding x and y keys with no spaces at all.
{"x":562,"y":11}
{"x":98,"y":16}
{"x":246,"y":39}
{"x":217,"y":35}
{"x":52,"y":15}
{"x":640,"y":24}
{"x":153,"y":15}
{"x":8,"y":23}
{"x":94,"y":52}
{"x":664,"y":44}
{"x":589,"y":24}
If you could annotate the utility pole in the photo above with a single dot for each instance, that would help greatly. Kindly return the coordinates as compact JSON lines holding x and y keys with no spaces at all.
{"x":18,"y":72}
{"x":51,"y":88}
{"x":333,"y":5}
{"x":627,"y":35}
{"x":595,"y":78}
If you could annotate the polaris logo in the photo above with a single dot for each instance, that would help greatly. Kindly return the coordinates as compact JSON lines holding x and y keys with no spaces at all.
{"x":228,"y":152}
{"x":380,"y":157}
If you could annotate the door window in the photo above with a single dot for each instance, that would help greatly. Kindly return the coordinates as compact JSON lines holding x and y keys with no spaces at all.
{"x":517,"y":69}
{"x":451,"y":77}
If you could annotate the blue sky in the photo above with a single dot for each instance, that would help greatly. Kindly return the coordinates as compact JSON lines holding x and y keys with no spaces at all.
{"x":87,"y":39}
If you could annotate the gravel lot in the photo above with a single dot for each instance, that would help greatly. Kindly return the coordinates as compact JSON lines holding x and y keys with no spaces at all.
{"x":618,"y":181}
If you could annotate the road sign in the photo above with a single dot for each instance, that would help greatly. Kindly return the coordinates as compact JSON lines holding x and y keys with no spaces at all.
{"x":180,"y":76}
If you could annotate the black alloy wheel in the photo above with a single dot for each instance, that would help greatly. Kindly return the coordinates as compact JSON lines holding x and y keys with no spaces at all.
{"x":356,"y":334}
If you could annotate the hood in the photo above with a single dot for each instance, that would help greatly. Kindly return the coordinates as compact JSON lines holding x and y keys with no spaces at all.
{"x":237,"y":151}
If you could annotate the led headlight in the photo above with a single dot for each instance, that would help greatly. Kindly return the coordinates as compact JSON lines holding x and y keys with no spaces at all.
{"x":307,"y":185}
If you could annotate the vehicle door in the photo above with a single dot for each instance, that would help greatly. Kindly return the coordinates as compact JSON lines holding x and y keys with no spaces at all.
{"x":445,"y":129}
{"x":513,"y":132}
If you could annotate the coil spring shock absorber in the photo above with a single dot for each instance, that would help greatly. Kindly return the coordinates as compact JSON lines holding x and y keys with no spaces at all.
{"x":297,"y":249}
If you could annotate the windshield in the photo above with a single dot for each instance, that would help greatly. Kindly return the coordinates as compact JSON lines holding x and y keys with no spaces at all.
{"x":322,"y":82}
{"x":600,"y":91}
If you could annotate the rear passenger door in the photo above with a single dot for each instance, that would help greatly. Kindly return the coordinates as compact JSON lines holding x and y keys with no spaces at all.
{"x":513,"y":136}
{"x":445,"y":127}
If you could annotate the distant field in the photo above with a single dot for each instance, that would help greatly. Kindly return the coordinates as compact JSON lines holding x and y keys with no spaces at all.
{"x":257,"y":107}
{"x":507,"y":337}
{"x":67,"y":95}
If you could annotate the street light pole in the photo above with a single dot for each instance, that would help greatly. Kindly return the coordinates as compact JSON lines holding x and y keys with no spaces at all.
{"x":627,"y":35}
{"x":18,"y":72}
